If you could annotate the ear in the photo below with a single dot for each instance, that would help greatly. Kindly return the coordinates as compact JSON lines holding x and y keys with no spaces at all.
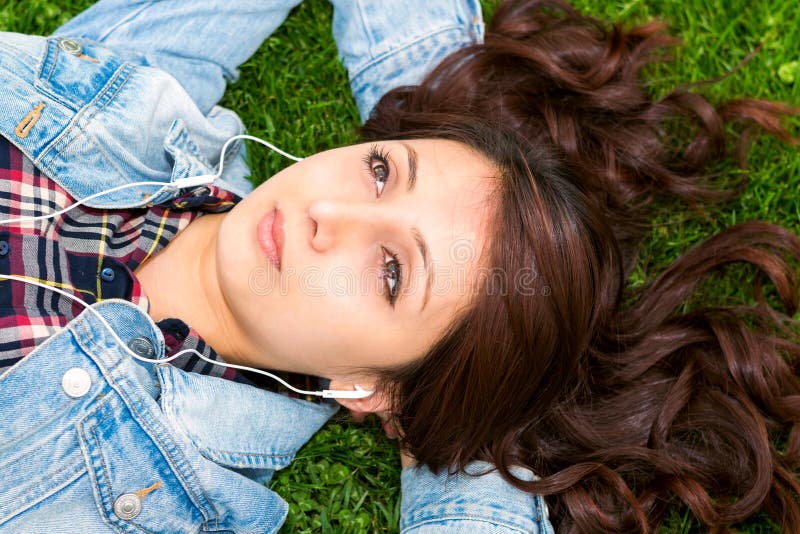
{"x":375,"y":403}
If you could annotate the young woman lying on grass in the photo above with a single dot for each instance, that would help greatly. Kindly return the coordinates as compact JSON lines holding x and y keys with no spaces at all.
{"x":93,"y":436}
{"x":489,"y":222}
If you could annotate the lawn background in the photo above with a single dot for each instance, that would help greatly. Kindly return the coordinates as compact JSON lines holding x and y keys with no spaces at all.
{"x":294,"y":92}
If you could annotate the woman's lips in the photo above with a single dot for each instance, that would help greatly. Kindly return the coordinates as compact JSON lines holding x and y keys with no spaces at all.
{"x":277,"y":234}
{"x":271,"y":237}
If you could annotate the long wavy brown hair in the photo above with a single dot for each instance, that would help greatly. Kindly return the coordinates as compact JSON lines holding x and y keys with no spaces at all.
{"x":619,"y":401}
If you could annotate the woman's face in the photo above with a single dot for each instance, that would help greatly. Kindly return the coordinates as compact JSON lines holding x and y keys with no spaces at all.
{"x":379,"y":245}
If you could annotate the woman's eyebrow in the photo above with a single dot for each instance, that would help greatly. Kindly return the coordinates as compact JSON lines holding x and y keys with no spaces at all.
{"x":412,"y":166}
{"x":424,"y":251}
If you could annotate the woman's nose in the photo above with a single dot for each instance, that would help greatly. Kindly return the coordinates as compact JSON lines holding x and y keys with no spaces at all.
{"x":332,"y":220}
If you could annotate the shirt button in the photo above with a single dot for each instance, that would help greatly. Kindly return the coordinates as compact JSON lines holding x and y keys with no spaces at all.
{"x":107,"y":274}
{"x":76,"y":382}
{"x":128,"y":506}
{"x":70,"y":46}
{"x":142,"y":346}
{"x":4,"y":248}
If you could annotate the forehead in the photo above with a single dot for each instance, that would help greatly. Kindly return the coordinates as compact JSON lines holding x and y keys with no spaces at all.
{"x":451,"y":195}
{"x":451,"y":204}
{"x":454,"y":164}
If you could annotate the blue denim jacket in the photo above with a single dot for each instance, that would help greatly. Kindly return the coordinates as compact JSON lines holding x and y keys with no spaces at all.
{"x":85,"y":427}
{"x":92,"y":440}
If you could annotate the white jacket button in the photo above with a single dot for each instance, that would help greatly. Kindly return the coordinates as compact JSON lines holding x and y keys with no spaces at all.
{"x":76,"y":382}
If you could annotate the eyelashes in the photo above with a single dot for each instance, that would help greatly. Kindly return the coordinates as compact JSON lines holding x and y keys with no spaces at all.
{"x":376,"y":161}
{"x":392,"y":275}
{"x":377,"y":164}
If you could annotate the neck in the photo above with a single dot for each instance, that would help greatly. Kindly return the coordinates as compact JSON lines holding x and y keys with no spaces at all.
{"x":181,"y":282}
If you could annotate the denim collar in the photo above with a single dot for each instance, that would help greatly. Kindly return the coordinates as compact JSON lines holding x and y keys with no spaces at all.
{"x":238,"y":425}
{"x":232,"y":424}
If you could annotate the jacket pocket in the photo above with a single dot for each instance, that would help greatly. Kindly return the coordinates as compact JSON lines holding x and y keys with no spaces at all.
{"x":41,"y":466}
{"x":40,"y":454}
{"x":142,"y":481}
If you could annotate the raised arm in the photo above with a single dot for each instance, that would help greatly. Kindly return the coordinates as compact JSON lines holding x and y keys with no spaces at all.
{"x":385,"y":45}
{"x":477,"y":500}
{"x":199,"y":42}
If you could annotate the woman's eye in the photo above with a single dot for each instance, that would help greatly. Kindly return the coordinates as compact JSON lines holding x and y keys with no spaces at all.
{"x":392,"y":274}
{"x":381,"y":174}
{"x":377,"y":163}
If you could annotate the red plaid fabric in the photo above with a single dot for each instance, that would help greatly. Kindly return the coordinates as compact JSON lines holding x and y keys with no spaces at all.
{"x":87,"y":252}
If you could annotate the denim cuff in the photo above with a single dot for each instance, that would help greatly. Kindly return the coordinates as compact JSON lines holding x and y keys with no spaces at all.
{"x":385,"y":45}
{"x":476,"y":500}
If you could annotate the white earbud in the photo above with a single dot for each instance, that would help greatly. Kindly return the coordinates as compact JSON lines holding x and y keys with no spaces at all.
{"x":359,"y":393}
{"x":192,"y":181}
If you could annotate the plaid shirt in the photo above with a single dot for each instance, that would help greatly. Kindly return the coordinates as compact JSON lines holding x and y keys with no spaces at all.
{"x":87,"y":252}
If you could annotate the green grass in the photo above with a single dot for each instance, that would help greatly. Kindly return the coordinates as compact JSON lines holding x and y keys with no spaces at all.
{"x":294,"y":92}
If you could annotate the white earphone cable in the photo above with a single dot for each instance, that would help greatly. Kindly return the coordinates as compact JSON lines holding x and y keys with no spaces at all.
{"x":181,"y":183}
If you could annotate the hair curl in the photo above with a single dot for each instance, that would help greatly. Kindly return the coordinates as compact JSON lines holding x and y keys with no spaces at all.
{"x":614,"y":397}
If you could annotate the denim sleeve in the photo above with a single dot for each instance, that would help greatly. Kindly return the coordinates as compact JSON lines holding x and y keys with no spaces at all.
{"x":476,"y":501}
{"x":386,"y":44}
{"x":199,"y":42}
